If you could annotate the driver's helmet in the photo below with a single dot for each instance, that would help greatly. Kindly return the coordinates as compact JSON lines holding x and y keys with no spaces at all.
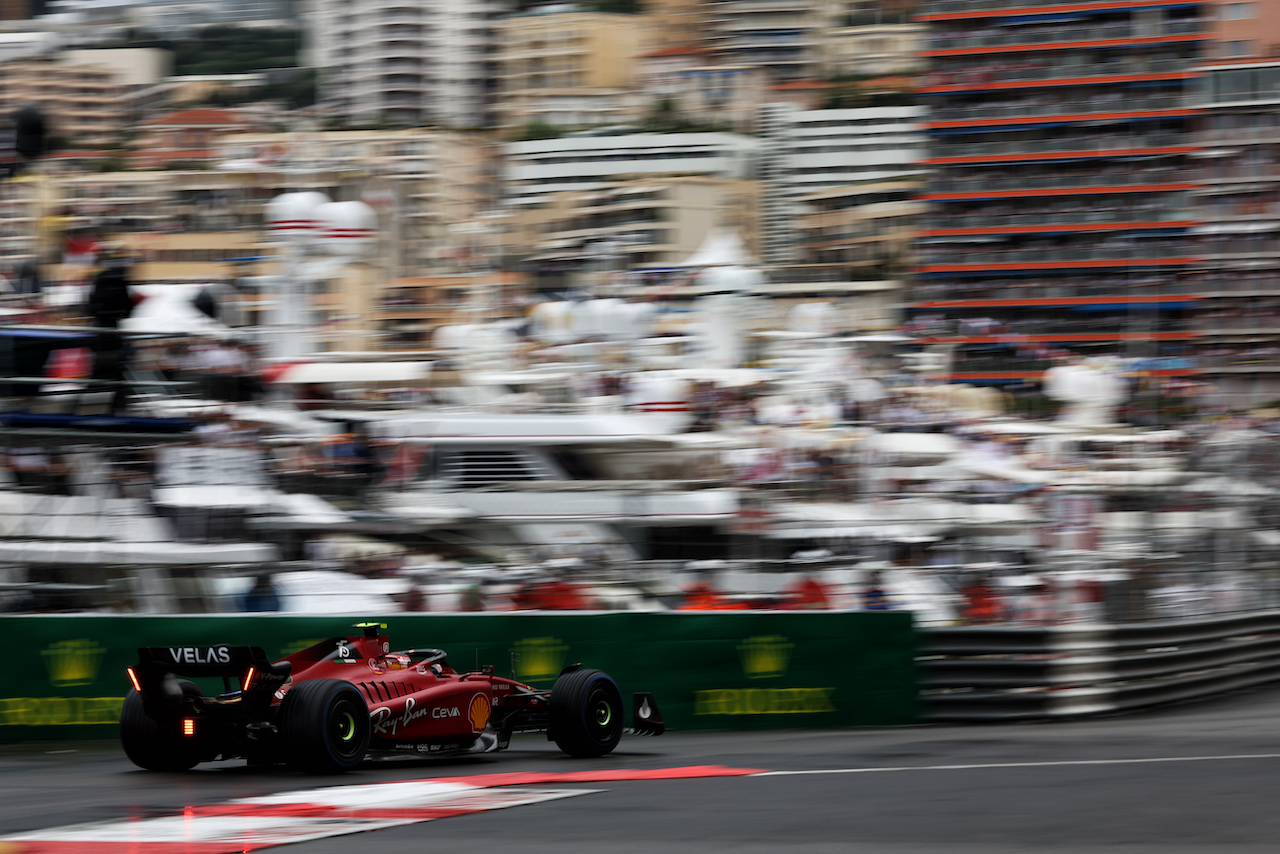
{"x":397,"y":661}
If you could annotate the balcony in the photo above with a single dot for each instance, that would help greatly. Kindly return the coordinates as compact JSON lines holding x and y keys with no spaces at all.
{"x":1050,"y":36}
{"x":983,"y":75}
{"x":1059,"y":291}
{"x":1118,"y":179}
{"x":1083,"y":144}
{"x":963,"y":7}
{"x":1112,"y":102}
{"x":1091,"y":221}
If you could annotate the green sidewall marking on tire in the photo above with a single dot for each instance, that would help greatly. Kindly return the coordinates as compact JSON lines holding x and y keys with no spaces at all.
{"x":603,"y":720}
{"x":347,"y":727}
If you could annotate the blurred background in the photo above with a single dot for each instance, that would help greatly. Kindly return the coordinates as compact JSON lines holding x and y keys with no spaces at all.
{"x":639,"y":304}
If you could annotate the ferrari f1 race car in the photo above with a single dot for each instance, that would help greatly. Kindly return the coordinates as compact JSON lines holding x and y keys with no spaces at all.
{"x":325,"y":708}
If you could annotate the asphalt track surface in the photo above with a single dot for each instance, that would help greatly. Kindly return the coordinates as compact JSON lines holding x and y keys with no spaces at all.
{"x":1194,"y":778}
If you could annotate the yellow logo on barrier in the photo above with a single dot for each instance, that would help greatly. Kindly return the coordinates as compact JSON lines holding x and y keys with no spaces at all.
{"x":73,"y":662}
{"x":539,"y":658}
{"x":765,"y":657}
{"x":764,"y":701}
{"x":59,"y":711}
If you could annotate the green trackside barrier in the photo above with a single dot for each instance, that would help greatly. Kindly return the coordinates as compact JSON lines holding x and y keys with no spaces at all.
{"x":731,"y":670}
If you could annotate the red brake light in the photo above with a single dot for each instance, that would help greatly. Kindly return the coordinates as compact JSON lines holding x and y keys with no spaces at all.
{"x":133,"y":677}
{"x":188,"y":726}
{"x":248,"y":679}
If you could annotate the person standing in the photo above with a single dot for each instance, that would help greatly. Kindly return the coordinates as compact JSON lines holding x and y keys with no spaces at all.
{"x":874,"y":595}
{"x":262,"y":596}
{"x":110,"y":302}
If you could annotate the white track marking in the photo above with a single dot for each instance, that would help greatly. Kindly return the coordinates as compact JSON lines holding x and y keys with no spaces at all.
{"x":318,"y":813}
{"x":1057,"y":764}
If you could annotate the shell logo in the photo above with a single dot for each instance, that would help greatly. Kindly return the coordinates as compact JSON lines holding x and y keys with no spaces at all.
{"x":479,"y":712}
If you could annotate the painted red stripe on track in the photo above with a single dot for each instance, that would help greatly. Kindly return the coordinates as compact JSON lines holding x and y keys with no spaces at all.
{"x":520,"y":778}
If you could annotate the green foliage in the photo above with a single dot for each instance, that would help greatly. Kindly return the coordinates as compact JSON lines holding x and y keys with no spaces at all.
{"x":224,"y":49}
{"x":626,"y":7}
{"x":297,"y":92}
{"x":665,"y":117}
{"x":538,"y":130}
{"x":852,"y":95}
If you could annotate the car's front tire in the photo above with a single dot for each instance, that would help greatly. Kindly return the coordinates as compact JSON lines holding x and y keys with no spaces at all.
{"x":152,"y":746}
{"x":324,"y":726}
{"x":586,"y":713}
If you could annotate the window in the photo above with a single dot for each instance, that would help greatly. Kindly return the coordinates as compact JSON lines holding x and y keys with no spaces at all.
{"x":1240,"y":47}
{"x":1238,"y":11}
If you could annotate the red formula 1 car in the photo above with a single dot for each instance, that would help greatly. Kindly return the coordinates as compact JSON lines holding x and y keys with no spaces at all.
{"x":325,"y":708}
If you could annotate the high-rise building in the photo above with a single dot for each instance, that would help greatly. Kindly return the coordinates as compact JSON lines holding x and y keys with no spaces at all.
{"x":405,"y":62}
{"x":1063,"y":167}
{"x":564,"y":67}
{"x":811,"y":150}
{"x":89,"y":97}
{"x":537,"y":169}
{"x":1238,"y":203}
{"x":781,"y":36}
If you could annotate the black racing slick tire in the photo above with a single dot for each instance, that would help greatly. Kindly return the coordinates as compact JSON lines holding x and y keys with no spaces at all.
{"x":153,"y":746}
{"x":586,"y":713}
{"x":324,"y":725}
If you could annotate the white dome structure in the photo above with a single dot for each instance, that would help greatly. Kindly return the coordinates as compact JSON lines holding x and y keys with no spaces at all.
{"x":346,"y":228}
{"x":293,"y":217}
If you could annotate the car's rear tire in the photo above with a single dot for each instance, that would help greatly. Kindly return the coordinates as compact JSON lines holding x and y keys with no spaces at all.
{"x":152,"y":746}
{"x":586,"y":715}
{"x":324,"y":726}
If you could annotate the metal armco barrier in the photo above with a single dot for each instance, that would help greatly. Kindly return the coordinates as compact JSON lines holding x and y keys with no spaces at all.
{"x":1001,"y":673}
{"x":65,"y":675}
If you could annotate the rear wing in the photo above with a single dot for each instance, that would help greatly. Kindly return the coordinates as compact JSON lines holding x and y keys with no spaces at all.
{"x":254,"y":675}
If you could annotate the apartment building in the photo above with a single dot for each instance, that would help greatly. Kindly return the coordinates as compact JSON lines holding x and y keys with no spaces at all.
{"x":566,"y":68}
{"x":869,"y":49}
{"x":1237,"y":201}
{"x":536,"y":169}
{"x":1063,"y":172}
{"x":780,"y":36}
{"x":671,"y":23}
{"x":403,"y":63}
{"x":638,"y":224}
{"x":807,"y":151}
{"x":727,"y":96}
{"x":420,"y":182}
{"x":865,"y":227}
{"x":89,"y":97}
{"x":207,"y":224}
{"x":409,"y":310}
{"x":186,"y":138}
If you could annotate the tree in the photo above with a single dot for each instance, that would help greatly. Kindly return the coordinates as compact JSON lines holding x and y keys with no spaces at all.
{"x":538,"y":130}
